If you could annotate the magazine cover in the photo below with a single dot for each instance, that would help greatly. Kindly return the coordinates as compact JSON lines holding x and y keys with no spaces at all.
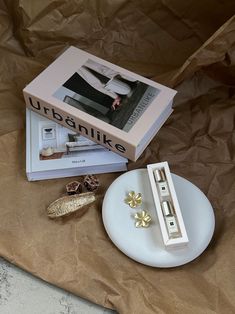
{"x":108,"y":104}
{"x":54,"y":151}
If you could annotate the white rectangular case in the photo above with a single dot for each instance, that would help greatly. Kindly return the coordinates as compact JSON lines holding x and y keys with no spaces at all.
{"x":172,"y":226}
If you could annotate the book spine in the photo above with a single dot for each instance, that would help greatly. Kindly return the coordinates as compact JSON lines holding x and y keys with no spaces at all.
{"x":84,"y":128}
{"x":28,"y":143}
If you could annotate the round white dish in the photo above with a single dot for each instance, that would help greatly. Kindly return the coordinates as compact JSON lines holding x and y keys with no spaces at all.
{"x":145,"y":245}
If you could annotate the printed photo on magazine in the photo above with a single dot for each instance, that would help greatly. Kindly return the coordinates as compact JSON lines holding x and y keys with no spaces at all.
{"x":106,"y":94}
{"x":55,"y":151}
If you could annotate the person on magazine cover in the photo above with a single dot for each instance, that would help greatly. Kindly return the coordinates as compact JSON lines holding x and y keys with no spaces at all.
{"x":101,"y":84}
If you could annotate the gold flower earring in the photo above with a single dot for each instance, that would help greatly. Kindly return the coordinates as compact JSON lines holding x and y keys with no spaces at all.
{"x":142,"y":219}
{"x":133,"y":199}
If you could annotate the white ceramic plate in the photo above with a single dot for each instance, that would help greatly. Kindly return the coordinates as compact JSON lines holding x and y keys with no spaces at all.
{"x":145,"y":245}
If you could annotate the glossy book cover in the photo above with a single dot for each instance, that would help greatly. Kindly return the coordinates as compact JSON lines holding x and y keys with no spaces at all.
{"x":54,"y":151}
{"x":103,"y":102}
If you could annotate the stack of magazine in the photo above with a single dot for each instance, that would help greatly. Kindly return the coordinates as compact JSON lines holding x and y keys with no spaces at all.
{"x":53,"y":151}
{"x":87,"y":115}
{"x":109,"y":105}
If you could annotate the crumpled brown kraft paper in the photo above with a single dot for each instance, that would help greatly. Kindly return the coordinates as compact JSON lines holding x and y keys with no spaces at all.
{"x":189,"y":45}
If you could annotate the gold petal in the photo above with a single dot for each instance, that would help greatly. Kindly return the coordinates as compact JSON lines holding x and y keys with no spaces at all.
{"x":127,"y":200}
{"x":145,"y":224}
{"x":138,"y":224}
{"x":131,"y":194}
{"x":132,"y":204}
{"x":143,"y":213}
{"x":147,"y":218}
{"x":138,"y":216}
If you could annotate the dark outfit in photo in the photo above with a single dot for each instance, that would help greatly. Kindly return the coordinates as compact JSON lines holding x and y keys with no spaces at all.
{"x":79,"y":86}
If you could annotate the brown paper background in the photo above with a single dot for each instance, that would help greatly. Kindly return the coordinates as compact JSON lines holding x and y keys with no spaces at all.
{"x":186,"y":44}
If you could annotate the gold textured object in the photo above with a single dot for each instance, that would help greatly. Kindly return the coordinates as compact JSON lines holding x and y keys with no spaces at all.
{"x":143,"y":219}
{"x":69,"y":204}
{"x":133,"y":199}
